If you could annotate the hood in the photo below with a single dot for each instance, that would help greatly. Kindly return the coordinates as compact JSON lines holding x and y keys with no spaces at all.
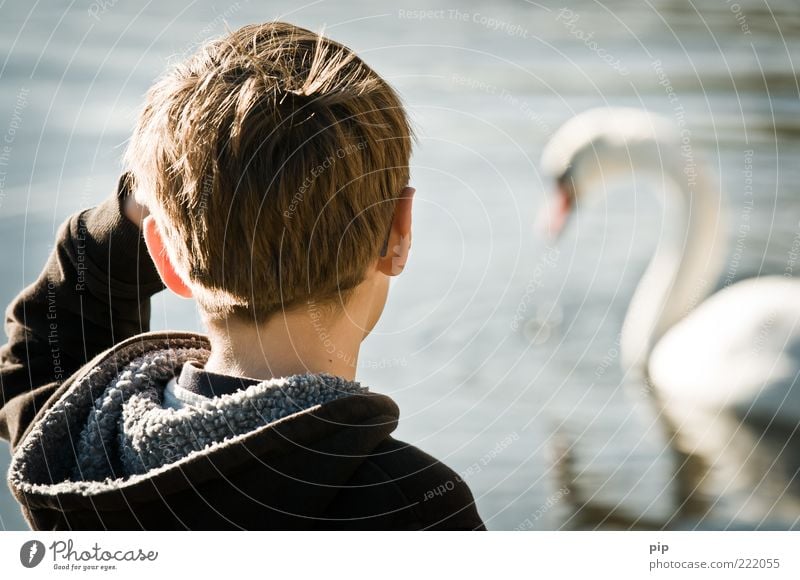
{"x":109,"y":441}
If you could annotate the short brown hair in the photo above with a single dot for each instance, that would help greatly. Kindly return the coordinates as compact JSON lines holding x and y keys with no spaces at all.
{"x":271,"y":160}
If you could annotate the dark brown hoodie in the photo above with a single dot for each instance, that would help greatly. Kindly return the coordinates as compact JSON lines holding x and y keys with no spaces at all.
{"x":95,"y":448}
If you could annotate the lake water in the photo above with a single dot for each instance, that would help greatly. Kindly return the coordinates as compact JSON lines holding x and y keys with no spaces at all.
{"x":492,"y":338}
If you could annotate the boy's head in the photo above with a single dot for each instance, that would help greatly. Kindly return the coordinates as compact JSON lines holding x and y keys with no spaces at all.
{"x":271,"y":162}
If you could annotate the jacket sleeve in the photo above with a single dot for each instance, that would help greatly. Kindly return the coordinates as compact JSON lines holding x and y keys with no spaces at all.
{"x":93,"y":293}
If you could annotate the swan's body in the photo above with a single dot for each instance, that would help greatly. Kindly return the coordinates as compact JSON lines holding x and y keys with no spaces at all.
{"x":726,"y":370}
{"x":729,"y":377}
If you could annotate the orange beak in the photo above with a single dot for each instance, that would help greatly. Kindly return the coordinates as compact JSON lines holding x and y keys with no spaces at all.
{"x":554,"y":215}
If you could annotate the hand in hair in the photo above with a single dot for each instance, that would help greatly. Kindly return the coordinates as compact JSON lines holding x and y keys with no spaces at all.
{"x":134,"y":210}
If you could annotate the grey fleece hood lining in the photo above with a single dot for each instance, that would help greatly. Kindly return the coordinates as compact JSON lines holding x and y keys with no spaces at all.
{"x":120,"y":433}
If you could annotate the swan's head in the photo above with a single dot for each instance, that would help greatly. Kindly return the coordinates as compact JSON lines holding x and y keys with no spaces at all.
{"x":598,"y":145}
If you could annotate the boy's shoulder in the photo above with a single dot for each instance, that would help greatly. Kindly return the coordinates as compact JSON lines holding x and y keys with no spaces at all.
{"x":335,"y":463}
{"x":417,"y":490}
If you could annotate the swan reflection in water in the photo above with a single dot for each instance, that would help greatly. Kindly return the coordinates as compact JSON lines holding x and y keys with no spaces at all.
{"x":723,"y":368}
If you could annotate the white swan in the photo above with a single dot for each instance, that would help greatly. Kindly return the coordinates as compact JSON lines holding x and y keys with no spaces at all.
{"x":725,"y":369}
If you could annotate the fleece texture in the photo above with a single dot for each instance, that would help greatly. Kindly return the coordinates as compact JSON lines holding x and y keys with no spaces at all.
{"x":129,"y":431}
{"x":129,"y":416}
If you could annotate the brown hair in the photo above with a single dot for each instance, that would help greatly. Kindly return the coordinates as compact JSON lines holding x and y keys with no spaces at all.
{"x":271,"y":160}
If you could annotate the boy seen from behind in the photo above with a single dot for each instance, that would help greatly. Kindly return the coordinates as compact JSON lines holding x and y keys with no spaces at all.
{"x":267,"y":178}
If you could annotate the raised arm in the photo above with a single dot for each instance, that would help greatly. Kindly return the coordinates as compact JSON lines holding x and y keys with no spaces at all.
{"x":93,"y":293}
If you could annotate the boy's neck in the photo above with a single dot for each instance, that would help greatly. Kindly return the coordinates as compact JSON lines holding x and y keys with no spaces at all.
{"x":306,"y":340}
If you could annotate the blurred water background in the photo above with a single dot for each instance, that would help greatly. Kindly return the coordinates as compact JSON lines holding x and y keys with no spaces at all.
{"x":498,"y":345}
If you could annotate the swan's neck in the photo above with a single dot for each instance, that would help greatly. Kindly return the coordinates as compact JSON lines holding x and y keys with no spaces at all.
{"x":684,"y":268}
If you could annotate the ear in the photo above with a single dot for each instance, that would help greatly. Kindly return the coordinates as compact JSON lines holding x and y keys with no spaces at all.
{"x":398,"y":243}
{"x":158,"y":251}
